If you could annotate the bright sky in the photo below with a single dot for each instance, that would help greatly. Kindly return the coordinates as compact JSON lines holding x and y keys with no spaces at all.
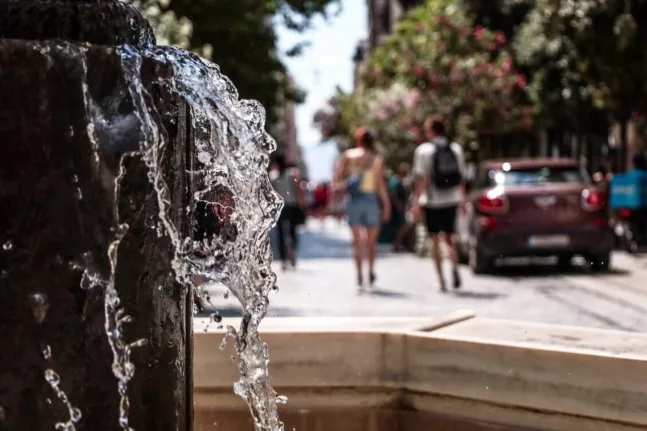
{"x":325,"y":64}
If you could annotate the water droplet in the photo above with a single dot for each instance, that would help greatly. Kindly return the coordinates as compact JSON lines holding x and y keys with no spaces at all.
{"x":75,"y":179}
{"x":7,"y":246}
{"x":39,"y":304}
{"x":78,"y":194}
{"x":52,"y":378}
{"x":47,"y":352}
{"x":281,"y":399}
{"x":226,"y":295}
{"x":216,"y":317}
{"x":275,"y":288}
{"x":70,"y":132}
{"x":75,"y":415}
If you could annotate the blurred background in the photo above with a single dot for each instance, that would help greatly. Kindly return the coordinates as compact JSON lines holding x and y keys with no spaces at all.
{"x":548,"y":99}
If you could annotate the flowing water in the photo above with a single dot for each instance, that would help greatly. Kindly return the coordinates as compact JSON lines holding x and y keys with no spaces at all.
{"x":229,"y":177}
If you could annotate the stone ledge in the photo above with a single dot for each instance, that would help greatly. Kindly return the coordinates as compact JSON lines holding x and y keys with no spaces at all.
{"x":341,"y":324}
{"x":502,"y":370}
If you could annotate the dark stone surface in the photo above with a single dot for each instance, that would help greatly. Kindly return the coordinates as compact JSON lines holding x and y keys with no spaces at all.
{"x":101,"y":22}
{"x":56,"y":206}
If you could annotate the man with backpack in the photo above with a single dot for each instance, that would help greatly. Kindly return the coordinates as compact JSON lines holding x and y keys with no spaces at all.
{"x":439,"y":167}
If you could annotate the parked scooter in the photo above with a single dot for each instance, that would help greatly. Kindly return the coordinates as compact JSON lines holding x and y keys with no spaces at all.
{"x":628,"y":200}
{"x":627,"y":233}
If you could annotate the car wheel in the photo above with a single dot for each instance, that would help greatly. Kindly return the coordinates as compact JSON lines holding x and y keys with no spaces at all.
{"x":601,"y":263}
{"x":479,"y":263}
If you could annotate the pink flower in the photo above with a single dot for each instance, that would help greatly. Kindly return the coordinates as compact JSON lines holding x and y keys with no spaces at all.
{"x":479,"y":32}
{"x":420,"y":71}
{"x":414,"y":99}
{"x":500,"y":38}
{"x":521,"y":82}
{"x":507,"y":64}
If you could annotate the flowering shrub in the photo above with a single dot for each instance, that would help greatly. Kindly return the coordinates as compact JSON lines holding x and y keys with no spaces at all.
{"x":437,"y":62}
{"x":459,"y":70}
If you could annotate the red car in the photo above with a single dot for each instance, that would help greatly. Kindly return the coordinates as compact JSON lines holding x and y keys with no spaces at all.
{"x":535,"y":207}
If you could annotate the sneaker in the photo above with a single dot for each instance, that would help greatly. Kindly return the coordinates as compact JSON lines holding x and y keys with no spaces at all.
{"x":456,"y":279}
{"x":371,"y":278}
{"x":443,"y":286}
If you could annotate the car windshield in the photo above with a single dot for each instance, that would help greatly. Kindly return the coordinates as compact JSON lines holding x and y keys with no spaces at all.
{"x":538,"y":176}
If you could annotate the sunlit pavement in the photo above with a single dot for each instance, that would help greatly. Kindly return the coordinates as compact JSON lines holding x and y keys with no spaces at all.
{"x":323,"y":284}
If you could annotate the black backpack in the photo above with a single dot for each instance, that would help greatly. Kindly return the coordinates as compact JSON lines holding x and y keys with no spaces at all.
{"x":445,"y":168}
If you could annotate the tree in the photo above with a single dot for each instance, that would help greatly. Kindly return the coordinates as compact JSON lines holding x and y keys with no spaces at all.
{"x":243,"y":42}
{"x":587,"y":58}
{"x":438,"y":62}
{"x":168,"y":28}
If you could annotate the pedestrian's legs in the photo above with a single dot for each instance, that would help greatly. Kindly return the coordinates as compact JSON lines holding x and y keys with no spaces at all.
{"x":451,"y":245}
{"x":401,"y":235}
{"x":358,"y":250}
{"x":283,"y":249}
{"x":292,"y":230}
{"x":372,"y":234}
{"x":434,"y":242}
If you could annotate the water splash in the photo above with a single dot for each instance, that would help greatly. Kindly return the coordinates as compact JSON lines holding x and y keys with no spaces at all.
{"x":232,"y":154}
{"x":229,"y":180}
{"x":115,"y":319}
{"x":54,"y":380}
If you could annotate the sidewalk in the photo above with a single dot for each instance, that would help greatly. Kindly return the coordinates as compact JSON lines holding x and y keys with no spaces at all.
{"x":324,"y":285}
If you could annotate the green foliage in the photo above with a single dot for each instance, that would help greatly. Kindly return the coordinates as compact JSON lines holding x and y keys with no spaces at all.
{"x":243,"y":42}
{"x":437,"y":62}
{"x":168,"y":28}
{"x":587,"y":59}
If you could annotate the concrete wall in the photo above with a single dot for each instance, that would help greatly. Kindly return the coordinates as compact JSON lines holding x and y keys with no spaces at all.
{"x":454,"y":372}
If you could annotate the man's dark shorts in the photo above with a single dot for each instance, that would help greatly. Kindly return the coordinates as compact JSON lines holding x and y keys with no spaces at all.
{"x":441,"y":219}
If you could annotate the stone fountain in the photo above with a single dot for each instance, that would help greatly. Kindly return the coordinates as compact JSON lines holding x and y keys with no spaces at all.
{"x":58,"y":218}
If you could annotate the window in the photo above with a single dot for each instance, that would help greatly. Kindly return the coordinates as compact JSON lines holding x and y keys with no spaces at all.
{"x":537,"y":176}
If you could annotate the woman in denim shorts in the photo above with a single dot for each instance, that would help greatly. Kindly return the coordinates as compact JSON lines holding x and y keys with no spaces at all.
{"x":360,"y":172}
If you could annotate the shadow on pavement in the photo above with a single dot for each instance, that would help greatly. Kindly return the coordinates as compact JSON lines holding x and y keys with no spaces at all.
{"x":485,"y":296}
{"x":386,"y":293}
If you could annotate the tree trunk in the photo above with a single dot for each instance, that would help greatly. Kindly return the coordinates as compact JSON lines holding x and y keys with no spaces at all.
{"x":58,"y":218}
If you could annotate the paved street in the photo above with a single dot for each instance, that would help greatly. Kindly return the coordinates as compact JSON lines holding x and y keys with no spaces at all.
{"x":324,"y":285}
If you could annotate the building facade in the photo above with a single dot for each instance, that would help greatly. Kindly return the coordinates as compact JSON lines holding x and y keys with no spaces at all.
{"x":285,"y":133}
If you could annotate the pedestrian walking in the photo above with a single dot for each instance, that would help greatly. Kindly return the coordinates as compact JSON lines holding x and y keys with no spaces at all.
{"x":439,"y":167}
{"x":360,"y":173}
{"x":287,"y":183}
{"x":399,"y":191}
{"x":322,"y":196}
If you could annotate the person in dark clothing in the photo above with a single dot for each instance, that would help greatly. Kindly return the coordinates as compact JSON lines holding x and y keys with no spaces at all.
{"x":400,"y":188}
{"x":287,"y":183}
